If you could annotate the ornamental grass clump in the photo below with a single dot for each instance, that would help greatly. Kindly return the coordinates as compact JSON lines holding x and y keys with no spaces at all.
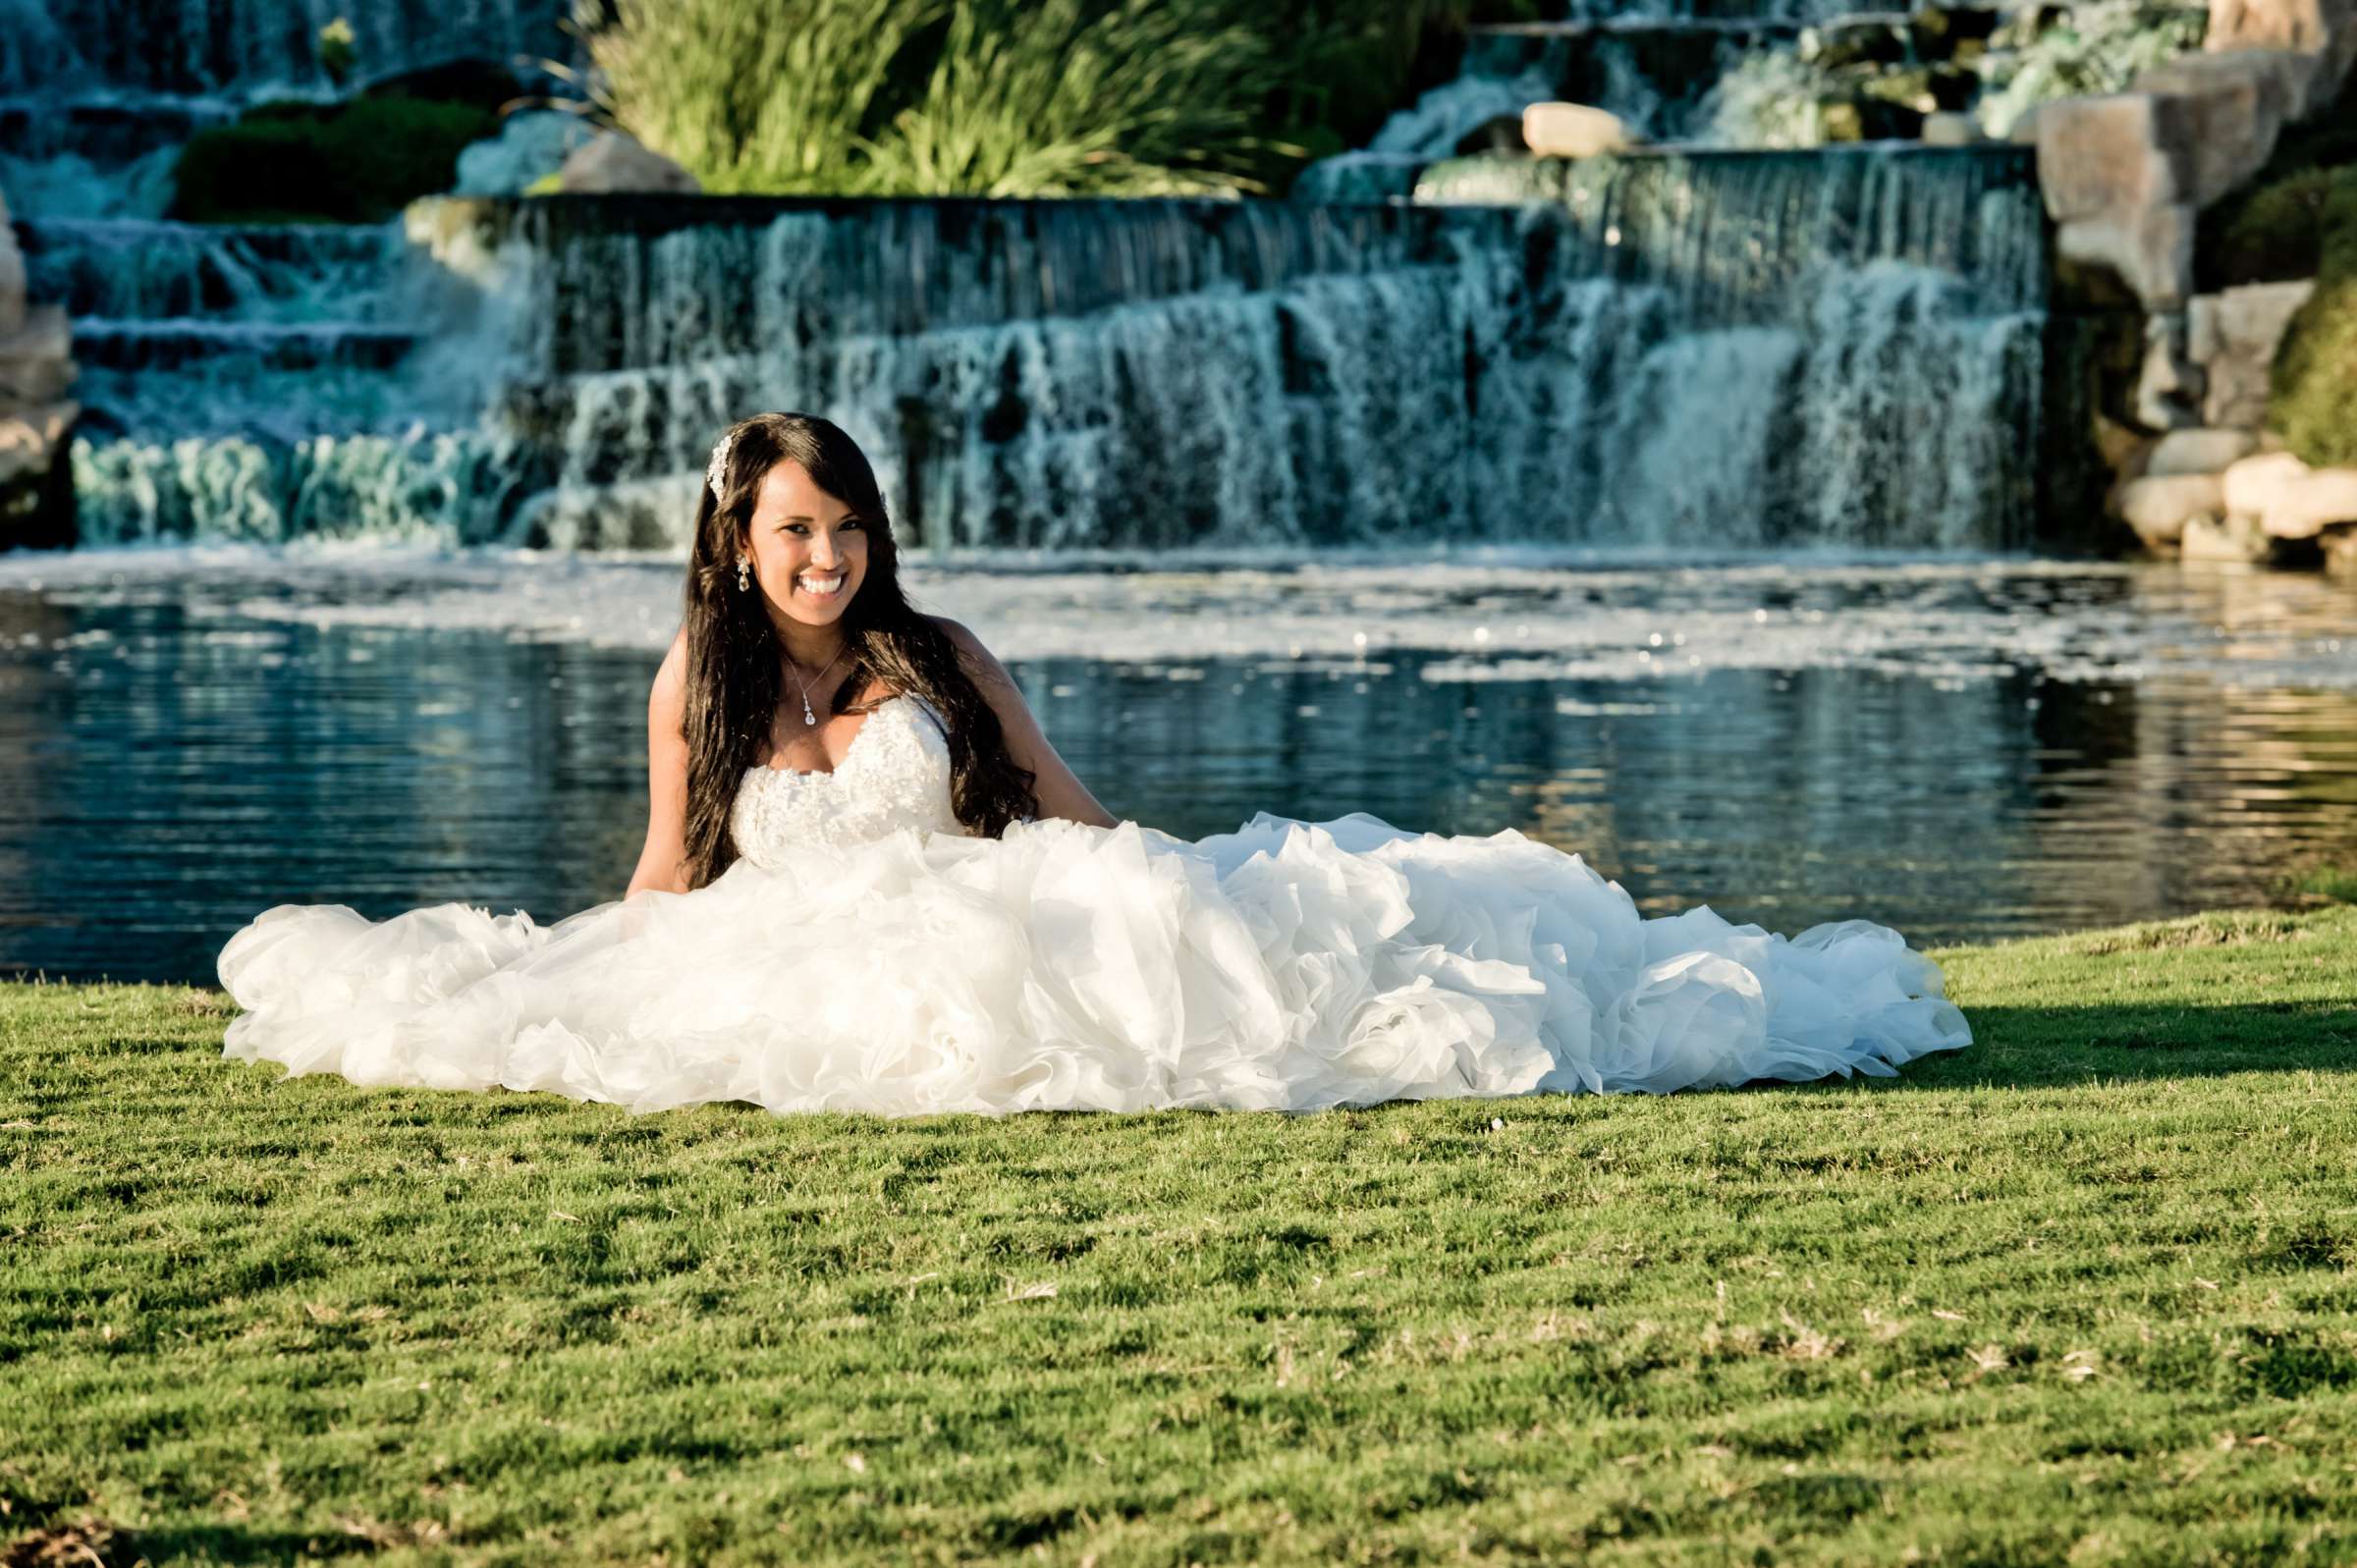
{"x":919,"y":97}
{"x":750,"y":95}
{"x":1048,"y":99}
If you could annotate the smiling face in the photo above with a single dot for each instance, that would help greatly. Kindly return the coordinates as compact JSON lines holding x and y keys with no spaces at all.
{"x":809,"y":549}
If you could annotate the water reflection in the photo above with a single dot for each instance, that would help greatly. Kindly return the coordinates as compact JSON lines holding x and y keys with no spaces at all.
{"x":2054,"y":748}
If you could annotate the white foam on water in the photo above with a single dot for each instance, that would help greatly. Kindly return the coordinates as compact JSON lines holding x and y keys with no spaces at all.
{"x":1477,"y":617}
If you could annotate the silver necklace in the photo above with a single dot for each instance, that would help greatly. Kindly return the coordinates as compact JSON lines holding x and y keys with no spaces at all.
{"x":809,"y":718}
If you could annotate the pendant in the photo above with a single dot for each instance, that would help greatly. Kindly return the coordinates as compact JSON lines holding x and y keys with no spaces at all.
{"x":808,"y":717}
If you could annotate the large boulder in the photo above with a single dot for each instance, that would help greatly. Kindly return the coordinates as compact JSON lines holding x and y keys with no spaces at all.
{"x":2236,"y":105}
{"x":1573,"y":130}
{"x":614,"y":164}
{"x":2103,"y":158}
{"x":2326,"y":30}
{"x":2200,"y":451}
{"x":2322,"y":498}
{"x":2119,"y":179}
{"x":2255,"y":484}
{"x":36,"y":370}
{"x":36,"y":361}
{"x":2158,"y":509}
{"x":2234,"y":337}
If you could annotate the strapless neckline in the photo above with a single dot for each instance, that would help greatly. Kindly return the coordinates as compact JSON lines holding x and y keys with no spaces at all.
{"x":849,"y":752}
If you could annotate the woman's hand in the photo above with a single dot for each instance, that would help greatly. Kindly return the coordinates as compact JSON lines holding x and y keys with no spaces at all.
{"x":1061,"y":792}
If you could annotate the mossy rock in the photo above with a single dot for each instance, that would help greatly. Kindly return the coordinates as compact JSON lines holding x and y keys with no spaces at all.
{"x":356,"y":162}
{"x":2313,"y":395}
{"x":2273,"y":230}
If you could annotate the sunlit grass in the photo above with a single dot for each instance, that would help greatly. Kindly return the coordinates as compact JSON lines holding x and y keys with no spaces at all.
{"x":2079,"y":1294}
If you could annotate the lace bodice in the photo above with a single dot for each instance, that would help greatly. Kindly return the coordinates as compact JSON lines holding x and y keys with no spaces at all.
{"x":896,"y":775}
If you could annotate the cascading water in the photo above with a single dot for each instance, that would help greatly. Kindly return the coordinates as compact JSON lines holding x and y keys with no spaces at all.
{"x":249,"y":48}
{"x":237,"y":381}
{"x":1659,"y":349}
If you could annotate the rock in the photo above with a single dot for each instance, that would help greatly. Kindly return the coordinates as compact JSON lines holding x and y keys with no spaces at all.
{"x":36,"y":481}
{"x":2118,"y":176}
{"x":2158,"y":509}
{"x":2234,"y":337}
{"x":529,"y":147}
{"x":31,"y":440}
{"x":2200,"y":451}
{"x":2257,"y":483}
{"x":12,"y":276}
{"x":2308,"y":504}
{"x":36,"y":366}
{"x":2234,"y":539}
{"x":2126,"y":452}
{"x":2340,"y":547}
{"x":37,"y":363}
{"x":2326,"y":30}
{"x":2169,"y":387}
{"x":2238,"y":106}
{"x":1948,"y":128}
{"x":2148,"y":249}
{"x":1573,"y":130}
{"x":2103,"y":158}
{"x":613,"y":164}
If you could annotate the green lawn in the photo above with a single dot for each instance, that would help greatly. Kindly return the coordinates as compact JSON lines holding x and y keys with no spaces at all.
{"x":2081,"y":1294}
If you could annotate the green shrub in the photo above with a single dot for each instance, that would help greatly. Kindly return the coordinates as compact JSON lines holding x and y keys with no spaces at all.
{"x":2273,"y":228}
{"x":2270,"y":234}
{"x":356,"y":162}
{"x":1013,"y":98}
{"x":2314,"y":400}
{"x":1045,"y":99}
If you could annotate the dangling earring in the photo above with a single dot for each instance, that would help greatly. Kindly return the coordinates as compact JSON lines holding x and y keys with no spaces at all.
{"x":744,"y":572}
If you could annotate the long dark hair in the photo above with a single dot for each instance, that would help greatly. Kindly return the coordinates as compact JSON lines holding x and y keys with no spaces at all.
{"x":734,"y":681}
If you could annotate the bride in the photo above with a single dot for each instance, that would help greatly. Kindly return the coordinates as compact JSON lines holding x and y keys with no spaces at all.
{"x":871,"y":884}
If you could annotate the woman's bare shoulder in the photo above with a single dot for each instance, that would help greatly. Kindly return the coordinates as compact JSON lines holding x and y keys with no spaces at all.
{"x":669,"y":697}
{"x":980,"y":659}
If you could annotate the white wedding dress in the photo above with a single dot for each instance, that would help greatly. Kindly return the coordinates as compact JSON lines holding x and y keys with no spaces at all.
{"x":863,"y":955}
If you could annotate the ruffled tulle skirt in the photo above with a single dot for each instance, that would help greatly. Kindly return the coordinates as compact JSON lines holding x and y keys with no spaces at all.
{"x":1287,"y":965}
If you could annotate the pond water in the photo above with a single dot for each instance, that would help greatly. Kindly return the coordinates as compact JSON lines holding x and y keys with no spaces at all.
{"x":1966,"y":750}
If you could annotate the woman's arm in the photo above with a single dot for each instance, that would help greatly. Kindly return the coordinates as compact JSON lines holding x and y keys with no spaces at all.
{"x":1061,"y":793}
{"x":662,"y":863}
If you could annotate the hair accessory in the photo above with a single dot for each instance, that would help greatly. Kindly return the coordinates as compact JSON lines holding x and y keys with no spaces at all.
{"x":718,"y":469}
{"x":744,"y":572}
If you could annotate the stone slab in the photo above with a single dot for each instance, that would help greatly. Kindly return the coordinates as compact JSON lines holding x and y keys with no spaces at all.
{"x":2100,"y":157}
{"x":2234,"y":337}
{"x":2158,"y":509}
{"x":2200,"y":451}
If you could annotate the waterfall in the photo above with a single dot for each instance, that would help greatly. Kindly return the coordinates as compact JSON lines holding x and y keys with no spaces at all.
{"x":1663,"y":349}
{"x":1667,"y":351}
{"x":252,"y":49}
{"x":1655,"y":72}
